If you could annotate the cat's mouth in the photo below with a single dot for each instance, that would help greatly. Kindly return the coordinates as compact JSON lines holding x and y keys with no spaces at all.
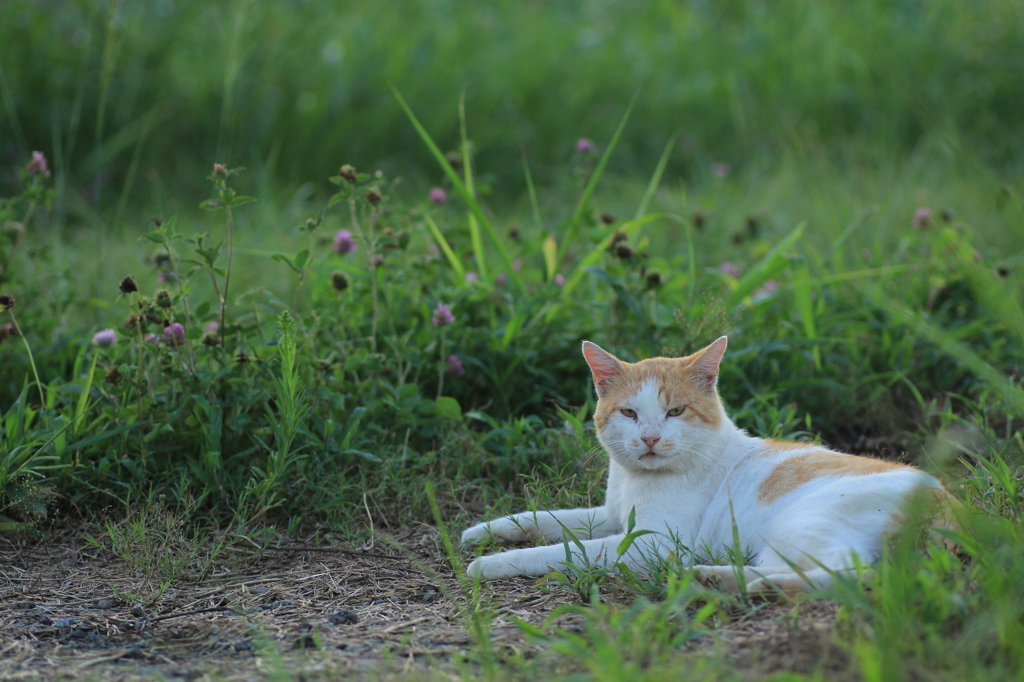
{"x":649,"y":455}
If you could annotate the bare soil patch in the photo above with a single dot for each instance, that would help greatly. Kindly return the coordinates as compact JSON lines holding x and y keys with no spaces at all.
{"x":70,"y":610}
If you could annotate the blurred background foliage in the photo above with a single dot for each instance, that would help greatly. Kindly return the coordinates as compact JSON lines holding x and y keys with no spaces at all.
{"x":132,"y":100}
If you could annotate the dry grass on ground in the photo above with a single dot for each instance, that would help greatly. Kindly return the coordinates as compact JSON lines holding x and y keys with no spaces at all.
{"x":71,"y":610}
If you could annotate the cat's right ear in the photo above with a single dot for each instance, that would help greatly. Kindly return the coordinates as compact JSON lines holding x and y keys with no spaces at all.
{"x":603,"y":365}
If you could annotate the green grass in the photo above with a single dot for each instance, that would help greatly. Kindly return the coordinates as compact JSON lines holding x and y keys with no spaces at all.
{"x":323,"y":396}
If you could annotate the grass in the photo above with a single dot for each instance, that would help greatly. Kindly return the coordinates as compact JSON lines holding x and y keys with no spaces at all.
{"x":856,"y":241}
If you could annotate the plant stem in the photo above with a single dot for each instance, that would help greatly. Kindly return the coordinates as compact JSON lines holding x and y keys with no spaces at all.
{"x":370,"y":258}
{"x":440,"y":374}
{"x":227,"y":275}
{"x":31,"y":360}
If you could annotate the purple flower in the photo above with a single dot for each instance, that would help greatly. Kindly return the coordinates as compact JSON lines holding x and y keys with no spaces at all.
{"x":105,"y":338}
{"x":584,"y":146}
{"x":442,"y":315}
{"x":769,"y":286}
{"x":438,"y":195}
{"x":559,"y":280}
{"x":344,"y":242}
{"x":153,"y":339}
{"x":517,"y":265}
{"x":166,"y":276}
{"x":454,"y":365}
{"x":922,"y":217}
{"x":721,"y":170}
{"x":212,"y":328}
{"x":175,"y":334}
{"x":37,"y":166}
{"x":730,"y":269}
{"x":499,"y":279}
{"x":472,"y":277}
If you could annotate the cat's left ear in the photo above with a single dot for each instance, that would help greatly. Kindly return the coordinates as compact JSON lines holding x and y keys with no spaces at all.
{"x":705,"y":364}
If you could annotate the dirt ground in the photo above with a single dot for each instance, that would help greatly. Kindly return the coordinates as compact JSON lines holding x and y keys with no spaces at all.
{"x":72,"y":610}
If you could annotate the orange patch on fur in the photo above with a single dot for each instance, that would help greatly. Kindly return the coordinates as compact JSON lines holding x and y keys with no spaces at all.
{"x":774,"y":447}
{"x":799,"y":469}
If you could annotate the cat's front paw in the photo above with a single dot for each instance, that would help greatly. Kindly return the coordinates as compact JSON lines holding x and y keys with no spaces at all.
{"x":475,"y":534}
{"x":502,"y":530}
{"x":492,"y":566}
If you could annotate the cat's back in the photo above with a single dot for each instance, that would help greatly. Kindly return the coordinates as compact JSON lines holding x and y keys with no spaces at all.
{"x":782,"y":468}
{"x":773,"y":473}
{"x":773,"y":476}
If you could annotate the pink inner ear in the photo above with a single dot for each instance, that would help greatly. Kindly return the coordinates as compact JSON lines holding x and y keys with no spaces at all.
{"x":603,"y":365}
{"x":705,"y":366}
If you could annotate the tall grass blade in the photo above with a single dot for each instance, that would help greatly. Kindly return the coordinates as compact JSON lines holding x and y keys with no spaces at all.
{"x":467,"y":168}
{"x":802,"y":294}
{"x":533,"y":194}
{"x":574,"y":221}
{"x":442,"y":243}
{"x":655,"y":181}
{"x":1011,"y":395}
{"x":461,"y":188}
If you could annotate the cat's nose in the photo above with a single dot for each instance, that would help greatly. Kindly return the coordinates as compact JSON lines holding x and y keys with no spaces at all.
{"x":650,"y":440}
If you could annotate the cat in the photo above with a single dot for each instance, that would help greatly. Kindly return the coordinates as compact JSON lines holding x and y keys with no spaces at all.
{"x":802,"y":512}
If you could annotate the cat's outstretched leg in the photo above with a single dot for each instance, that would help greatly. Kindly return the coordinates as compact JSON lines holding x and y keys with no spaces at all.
{"x":543,"y":525}
{"x":542,"y":560}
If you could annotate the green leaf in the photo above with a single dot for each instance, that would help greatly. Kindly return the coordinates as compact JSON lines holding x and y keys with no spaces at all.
{"x":301,"y":258}
{"x":630,"y":538}
{"x":280,"y":257}
{"x":448,"y":408}
{"x":550,"y":249}
{"x":158,"y":237}
{"x":774,"y":262}
{"x":362,"y":453}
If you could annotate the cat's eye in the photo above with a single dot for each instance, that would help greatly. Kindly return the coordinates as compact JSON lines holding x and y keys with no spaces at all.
{"x":676,"y":411}
{"x":629,"y":413}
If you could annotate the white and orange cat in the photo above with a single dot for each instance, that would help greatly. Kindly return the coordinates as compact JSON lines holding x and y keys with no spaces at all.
{"x":691,"y":474}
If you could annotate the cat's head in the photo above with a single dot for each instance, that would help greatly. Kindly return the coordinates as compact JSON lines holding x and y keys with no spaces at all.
{"x":659,"y":413}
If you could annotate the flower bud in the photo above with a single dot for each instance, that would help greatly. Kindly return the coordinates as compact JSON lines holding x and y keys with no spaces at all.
{"x":348,"y":172}
{"x":454,"y":160}
{"x":163,"y":298}
{"x":339,"y":281}
{"x":128,"y":285}
{"x":374,"y":196}
{"x":113,"y":376}
{"x":6,"y":301}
